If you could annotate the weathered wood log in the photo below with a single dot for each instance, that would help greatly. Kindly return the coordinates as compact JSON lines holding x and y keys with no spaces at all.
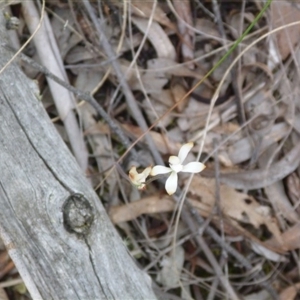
{"x":51,"y":220}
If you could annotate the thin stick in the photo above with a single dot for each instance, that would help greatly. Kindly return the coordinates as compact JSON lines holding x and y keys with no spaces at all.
{"x":232,"y":251}
{"x":30,"y":38}
{"x":82,"y":95}
{"x":218,"y":205}
{"x":218,"y":20}
{"x":126,"y":90}
{"x":209,"y":255}
{"x":49,"y":55}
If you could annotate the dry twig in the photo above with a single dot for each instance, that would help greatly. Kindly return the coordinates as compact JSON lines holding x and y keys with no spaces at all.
{"x":82,"y":95}
{"x":127,"y":91}
{"x":50,"y":57}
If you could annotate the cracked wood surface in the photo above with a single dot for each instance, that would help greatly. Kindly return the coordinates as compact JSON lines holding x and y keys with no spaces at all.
{"x":38,"y":174}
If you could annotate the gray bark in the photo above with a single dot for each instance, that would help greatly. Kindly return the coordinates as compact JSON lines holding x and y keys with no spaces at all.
{"x":63,"y":245}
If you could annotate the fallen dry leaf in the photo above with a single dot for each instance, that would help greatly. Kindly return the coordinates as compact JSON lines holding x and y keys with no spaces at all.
{"x":163,"y":144}
{"x":157,"y":36}
{"x":290,"y":292}
{"x":157,"y":104}
{"x":275,"y":192}
{"x":183,"y":9}
{"x":267,"y":253}
{"x":208,"y":29}
{"x":242,"y":149}
{"x":171,"y":67}
{"x":238,"y":206}
{"x":285,"y":12}
{"x":234,"y":19}
{"x":178,"y":92}
{"x":293,"y":188}
{"x":290,"y":239}
{"x":144,"y":9}
{"x":149,"y":205}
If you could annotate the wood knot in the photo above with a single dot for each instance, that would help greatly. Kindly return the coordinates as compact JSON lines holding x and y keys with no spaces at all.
{"x":78,"y":215}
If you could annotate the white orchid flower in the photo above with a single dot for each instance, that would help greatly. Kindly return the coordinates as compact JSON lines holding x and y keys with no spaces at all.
{"x":176,"y":166}
{"x":139,"y":179}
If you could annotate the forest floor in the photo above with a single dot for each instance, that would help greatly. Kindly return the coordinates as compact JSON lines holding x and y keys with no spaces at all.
{"x":230,"y":231}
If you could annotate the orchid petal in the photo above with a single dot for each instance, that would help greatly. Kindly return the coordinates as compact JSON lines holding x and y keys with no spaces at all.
{"x":176,"y":168}
{"x":193,"y":167}
{"x":171,"y":183}
{"x":184,"y":151}
{"x":133,"y":172}
{"x":138,"y":179}
{"x":156,"y":170}
{"x":147,"y":172}
{"x":174,"y":160}
{"x":133,"y":175}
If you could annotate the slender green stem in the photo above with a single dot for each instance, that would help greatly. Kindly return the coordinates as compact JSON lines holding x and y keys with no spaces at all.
{"x":239,"y":40}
